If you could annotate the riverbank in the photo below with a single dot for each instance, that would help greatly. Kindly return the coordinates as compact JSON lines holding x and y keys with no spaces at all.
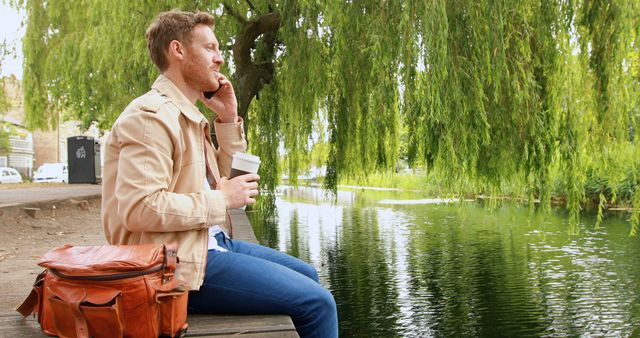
{"x":418,"y":181}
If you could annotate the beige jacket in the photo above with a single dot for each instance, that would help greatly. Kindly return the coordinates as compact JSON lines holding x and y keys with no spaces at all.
{"x":153,"y":186}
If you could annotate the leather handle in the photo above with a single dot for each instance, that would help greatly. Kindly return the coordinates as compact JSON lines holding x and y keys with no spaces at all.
{"x":30,"y":304}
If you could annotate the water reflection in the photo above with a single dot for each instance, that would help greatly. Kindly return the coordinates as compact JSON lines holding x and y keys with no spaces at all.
{"x":459,"y":270}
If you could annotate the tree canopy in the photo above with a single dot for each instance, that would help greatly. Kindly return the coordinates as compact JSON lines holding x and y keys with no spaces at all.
{"x":541,"y":92}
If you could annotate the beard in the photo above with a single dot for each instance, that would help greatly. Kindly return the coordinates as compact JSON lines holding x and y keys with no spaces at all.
{"x":199,"y":76}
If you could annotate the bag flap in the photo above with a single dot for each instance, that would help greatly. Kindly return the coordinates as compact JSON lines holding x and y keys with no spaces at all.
{"x":101,"y":296}
{"x":83,"y":295}
{"x":102,"y":259}
{"x":70,"y":295}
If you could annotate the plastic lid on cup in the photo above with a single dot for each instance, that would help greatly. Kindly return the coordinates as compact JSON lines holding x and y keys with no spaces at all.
{"x":247,"y":157}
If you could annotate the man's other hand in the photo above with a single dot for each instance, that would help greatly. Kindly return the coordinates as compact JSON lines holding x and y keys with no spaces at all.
{"x":239,"y":191}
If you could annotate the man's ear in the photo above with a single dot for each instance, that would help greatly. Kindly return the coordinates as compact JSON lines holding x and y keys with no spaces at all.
{"x":176,"y":50}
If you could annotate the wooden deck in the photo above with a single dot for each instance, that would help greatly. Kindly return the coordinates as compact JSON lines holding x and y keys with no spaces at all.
{"x":259,"y":326}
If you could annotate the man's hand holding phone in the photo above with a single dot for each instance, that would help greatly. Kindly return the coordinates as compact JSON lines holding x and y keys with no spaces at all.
{"x":222,"y":100}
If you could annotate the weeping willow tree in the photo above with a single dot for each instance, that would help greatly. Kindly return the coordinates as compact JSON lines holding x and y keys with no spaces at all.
{"x":545,"y":93}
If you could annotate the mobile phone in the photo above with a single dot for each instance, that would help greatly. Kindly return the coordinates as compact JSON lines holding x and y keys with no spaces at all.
{"x":209,"y":94}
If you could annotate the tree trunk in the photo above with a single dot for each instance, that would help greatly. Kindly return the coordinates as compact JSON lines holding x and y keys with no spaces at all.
{"x":254,"y":57}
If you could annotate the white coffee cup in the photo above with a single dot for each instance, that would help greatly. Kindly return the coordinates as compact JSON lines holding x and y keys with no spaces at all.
{"x":244,"y":163}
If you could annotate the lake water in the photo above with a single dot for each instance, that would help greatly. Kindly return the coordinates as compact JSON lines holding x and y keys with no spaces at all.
{"x":421,"y":269}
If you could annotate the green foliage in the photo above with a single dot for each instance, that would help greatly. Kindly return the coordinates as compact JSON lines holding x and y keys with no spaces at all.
{"x":5,"y":105}
{"x":405,"y":181}
{"x":540,"y":94}
{"x":264,"y":136}
{"x":5,"y":146}
{"x":6,"y":130}
{"x":4,"y":100}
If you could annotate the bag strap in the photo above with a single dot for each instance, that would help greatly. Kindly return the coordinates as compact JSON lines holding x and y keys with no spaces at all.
{"x":171,"y":256}
{"x":76,"y":297}
{"x":30,"y":304}
{"x":170,"y":261}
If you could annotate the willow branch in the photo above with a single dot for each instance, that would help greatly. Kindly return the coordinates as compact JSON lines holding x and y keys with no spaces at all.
{"x":253,"y":8}
{"x":234,"y":13}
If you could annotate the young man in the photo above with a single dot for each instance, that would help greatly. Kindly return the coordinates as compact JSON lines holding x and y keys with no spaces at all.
{"x":165,"y":182}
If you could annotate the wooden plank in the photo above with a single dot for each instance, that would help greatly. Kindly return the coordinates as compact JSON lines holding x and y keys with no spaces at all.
{"x":241,"y":226}
{"x":208,"y":325}
{"x":252,"y":335}
{"x":262,"y":326}
{"x":18,"y":326}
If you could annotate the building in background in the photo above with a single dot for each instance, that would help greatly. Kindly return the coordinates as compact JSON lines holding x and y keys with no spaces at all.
{"x":20,"y":154}
{"x":51,"y":146}
{"x":29,"y":149}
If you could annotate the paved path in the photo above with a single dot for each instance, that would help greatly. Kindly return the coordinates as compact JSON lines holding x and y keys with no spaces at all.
{"x":16,"y":196}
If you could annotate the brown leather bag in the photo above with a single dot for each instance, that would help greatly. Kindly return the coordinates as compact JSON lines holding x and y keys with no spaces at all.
{"x":109,"y":291}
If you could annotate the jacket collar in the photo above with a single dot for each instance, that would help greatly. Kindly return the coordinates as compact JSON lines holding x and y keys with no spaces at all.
{"x":166,"y":87}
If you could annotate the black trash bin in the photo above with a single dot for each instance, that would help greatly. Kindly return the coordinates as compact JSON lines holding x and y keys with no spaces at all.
{"x":84,"y":159}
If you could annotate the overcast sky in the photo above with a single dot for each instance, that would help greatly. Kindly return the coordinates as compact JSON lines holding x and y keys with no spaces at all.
{"x":11,"y":32}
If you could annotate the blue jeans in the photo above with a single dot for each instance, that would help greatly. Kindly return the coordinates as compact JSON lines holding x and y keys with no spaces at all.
{"x":253,"y":279}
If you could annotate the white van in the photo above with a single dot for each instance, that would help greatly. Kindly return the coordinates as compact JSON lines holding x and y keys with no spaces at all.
{"x":51,"y":172}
